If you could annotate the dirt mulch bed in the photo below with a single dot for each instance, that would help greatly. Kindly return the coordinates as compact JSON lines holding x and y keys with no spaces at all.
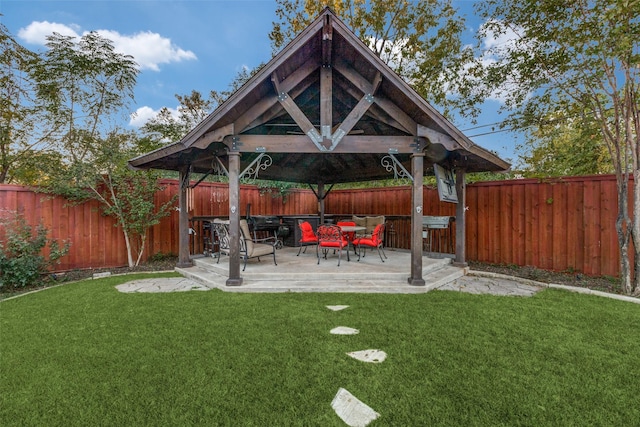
{"x":604,"y":284}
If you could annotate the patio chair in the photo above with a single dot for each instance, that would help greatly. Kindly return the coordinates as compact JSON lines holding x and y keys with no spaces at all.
{"x":220,"y":233}
{"x":331,"y":237}
{"x":349,"y":235}
{"x":375,"y":241}
{"x":308,"y":238}
{"x":250,"y":247}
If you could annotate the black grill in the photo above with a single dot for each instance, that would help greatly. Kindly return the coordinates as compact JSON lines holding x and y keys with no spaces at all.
{"x":264,"y":222}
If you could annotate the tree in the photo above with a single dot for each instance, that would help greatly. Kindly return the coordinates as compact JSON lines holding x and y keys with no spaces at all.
{"x":124,"y":194}
{"x":565,"y":146}
{"x":419,"y":40}
{"x":581,"y":56}
{"x":192,"y":109}
{"x":87,"y":86}
{"x":23,"y":132}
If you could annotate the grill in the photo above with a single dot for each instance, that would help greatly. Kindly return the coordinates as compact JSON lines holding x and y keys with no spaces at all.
{"x":269,"y":223}
{"x":264,"y":222}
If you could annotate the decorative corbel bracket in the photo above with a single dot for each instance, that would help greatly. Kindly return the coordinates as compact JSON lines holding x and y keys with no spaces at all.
{"x":392,"y":164}
{"x":262,"y":162}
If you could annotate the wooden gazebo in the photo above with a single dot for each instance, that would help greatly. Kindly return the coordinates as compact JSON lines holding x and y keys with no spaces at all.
{"x":324,"y":110}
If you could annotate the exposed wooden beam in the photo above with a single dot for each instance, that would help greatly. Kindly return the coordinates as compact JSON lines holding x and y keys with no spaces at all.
{"x":327,"y":41}
{"x":216,"y":135}
{"x":436,"y":137}
{"x":326,"y":83}
{"x":276,"y":108}
{"x":386,"y":119}
{"x":397,"y":114}
{"x":409,"y":125}
{"x":350,"y":121}
{"x":355,"y":114}
{"x":296,"y":113}
{"x":258,"y":110}
{"x":302,"y":144}
{"x":326,"y":103}
{"x":341,"y":66}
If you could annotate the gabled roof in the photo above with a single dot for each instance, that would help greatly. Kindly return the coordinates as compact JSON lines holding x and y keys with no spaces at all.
{"x":325,"y":109}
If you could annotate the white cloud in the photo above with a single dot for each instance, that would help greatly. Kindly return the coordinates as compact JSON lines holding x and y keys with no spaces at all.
{"x":37,"y":32}
{"x":149,"y":50}
{"x":144,"y":114}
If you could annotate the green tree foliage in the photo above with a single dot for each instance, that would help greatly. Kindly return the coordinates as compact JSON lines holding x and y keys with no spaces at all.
{"x":192,"y":109}
{"x":23,"y":129}
{"x":22,"y":261}
{"x":580,"y":56}
{"x":420,"y":40}
{"x":124,"y":194}
{"x":565,"y":146}
{"x":86,"y":87}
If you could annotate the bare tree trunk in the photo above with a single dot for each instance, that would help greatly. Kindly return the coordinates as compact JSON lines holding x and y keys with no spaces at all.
{"x":623,"y":230}
{"x":127,"y":242}
{"x":143,"y":240}
{"x":634,"y":288}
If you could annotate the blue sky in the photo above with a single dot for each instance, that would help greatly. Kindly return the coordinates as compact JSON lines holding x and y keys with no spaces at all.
{"x":191,"y":44}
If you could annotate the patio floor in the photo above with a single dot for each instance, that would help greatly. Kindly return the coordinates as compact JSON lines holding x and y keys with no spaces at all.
{"x":303,"y":273}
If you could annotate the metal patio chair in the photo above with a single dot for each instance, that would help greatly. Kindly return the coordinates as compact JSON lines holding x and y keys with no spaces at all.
{"x":309,"y":238}
{"x":375,"y":241}
{"x":331,"y":237}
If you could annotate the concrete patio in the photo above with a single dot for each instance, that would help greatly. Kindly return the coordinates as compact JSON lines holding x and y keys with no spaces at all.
{"x":303,"y":273}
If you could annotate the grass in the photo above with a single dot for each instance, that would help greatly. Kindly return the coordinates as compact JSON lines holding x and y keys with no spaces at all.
{"x":84,"y":354}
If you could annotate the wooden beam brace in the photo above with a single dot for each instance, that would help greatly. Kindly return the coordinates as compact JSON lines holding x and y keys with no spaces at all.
{"x":276,"y":108}
{"x":216,"y":135}
{"x":386,"y":119}
{"x":297,"y":114}
{"x":398,"y":114}
{"x":436,"y":137}
{"x":258,"y":110}
{"x":350,"y":121}
{"x":356,"y":113}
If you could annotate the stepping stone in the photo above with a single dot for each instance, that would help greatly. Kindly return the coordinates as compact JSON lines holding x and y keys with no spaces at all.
{"x":351,"y":410}
{"x":343,"y":330}
{"x":371,"y":356}
{"x":337,"y":307}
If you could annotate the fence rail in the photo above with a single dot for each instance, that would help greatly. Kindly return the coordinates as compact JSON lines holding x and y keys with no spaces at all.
{"x":555,"y":224}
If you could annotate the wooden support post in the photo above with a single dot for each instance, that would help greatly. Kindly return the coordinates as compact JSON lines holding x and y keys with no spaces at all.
{"x":183,"y":220}
{"x":461,"y":190}
{"x":321,"y":201}
{"x":234,"y":219}
{"x":417,"y":199}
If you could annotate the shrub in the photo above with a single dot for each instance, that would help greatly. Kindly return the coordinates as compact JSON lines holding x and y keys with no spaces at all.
{"x":22,"y":263}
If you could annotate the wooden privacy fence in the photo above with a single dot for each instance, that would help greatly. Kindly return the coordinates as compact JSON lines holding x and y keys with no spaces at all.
{"x":559,"y":224}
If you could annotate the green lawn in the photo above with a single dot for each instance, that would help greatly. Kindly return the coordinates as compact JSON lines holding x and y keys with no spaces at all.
{"x":84,"y":354}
